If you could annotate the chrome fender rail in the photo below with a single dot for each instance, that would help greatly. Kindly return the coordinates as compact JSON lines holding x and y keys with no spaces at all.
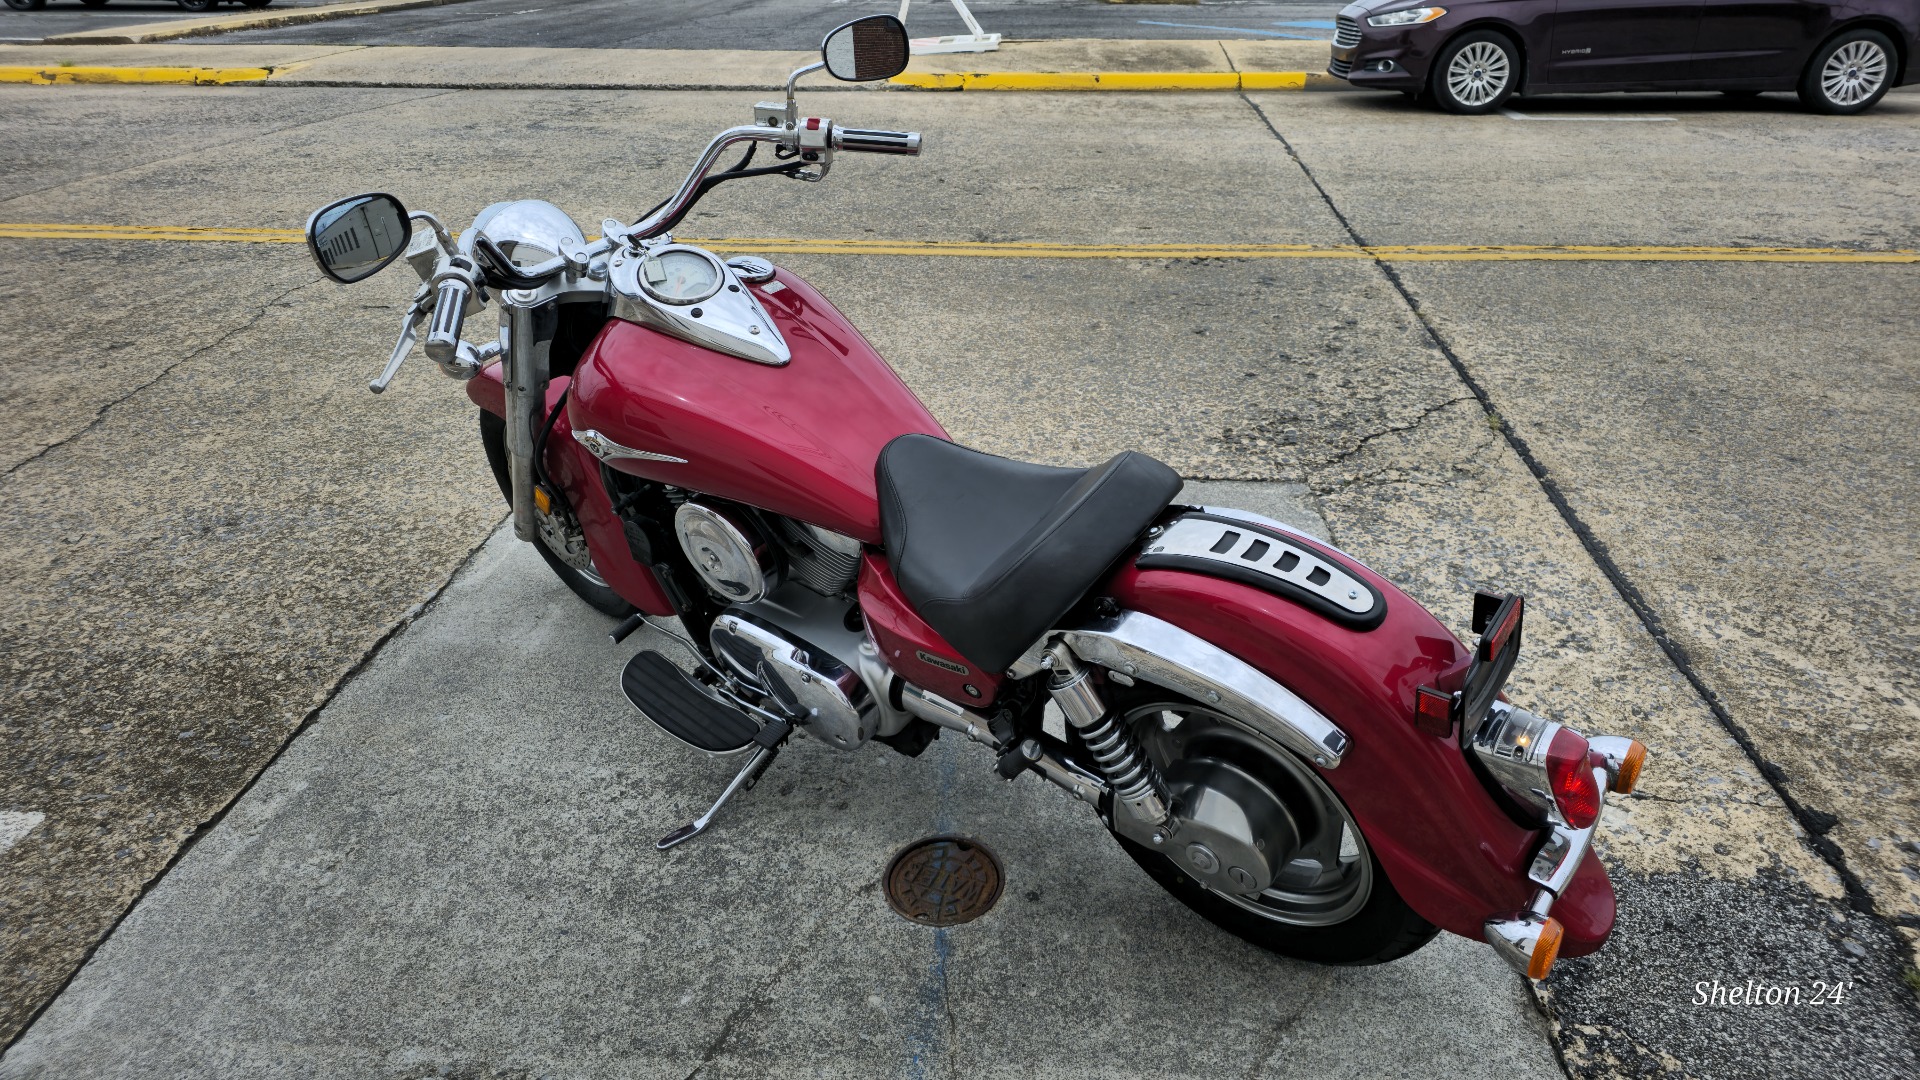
{"x":1143,"y":647}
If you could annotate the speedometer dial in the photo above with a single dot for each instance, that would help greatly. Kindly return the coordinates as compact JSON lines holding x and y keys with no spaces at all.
{"x":680,"y":276}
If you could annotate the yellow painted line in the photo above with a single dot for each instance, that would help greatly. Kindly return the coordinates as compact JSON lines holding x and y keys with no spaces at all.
{"x":192,"y":76}
{"x":1104,"y":80}
{"x":776,"y":245}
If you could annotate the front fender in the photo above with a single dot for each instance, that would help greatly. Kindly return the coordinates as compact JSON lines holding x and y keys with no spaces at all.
{"x":1456,"y":857}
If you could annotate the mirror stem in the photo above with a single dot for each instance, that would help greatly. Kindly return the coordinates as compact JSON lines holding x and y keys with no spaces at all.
{"x":439,"y":230}
{"x":793,"y":110}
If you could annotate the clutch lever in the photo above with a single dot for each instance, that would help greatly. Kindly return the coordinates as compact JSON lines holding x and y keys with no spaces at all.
{"x":409,"y":334}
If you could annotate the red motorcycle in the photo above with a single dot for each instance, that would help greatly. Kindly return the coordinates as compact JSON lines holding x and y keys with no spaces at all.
{"x":1285,"y":741}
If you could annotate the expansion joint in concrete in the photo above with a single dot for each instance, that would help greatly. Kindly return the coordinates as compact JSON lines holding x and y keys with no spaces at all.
{"x":1815,"y":822}
{"x":213,"y":821}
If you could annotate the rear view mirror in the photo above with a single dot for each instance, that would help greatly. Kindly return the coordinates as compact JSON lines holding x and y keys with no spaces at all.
{"x":866,"y":50}
{"x":356,"y":238}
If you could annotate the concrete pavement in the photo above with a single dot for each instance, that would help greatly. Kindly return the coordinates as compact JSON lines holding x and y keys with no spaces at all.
{"x":452,"y":872}
{"x":1325,"y":375}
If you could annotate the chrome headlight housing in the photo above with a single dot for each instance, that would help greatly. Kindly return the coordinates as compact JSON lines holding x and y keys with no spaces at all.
{"x":1406,"y":16}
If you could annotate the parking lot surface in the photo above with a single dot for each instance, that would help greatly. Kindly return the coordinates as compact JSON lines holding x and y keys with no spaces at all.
{"x":215,"y":525}
{"x":71,"y":17}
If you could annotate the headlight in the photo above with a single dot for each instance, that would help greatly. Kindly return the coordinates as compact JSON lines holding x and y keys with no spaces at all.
{"x":1407,"y":17}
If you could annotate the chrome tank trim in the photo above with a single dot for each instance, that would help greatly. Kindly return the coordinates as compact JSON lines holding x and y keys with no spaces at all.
{"x":731,"y":321}
{"x":607,"y":450}
{"x":1144,"y":647}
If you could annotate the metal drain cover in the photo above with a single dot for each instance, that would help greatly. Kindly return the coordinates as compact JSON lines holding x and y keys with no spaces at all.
{"x":943,"y":880}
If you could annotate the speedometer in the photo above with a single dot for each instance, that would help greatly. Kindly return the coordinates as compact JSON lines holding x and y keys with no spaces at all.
{"x":681,"y":275}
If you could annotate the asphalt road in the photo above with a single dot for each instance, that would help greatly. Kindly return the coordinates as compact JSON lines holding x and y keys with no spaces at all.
{"x":71,"y":17}
{"x":211,"y":524}
{"x":790,"y":24}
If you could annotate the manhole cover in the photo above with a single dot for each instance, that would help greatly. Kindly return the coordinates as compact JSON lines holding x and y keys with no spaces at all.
{"x":943,"y":880}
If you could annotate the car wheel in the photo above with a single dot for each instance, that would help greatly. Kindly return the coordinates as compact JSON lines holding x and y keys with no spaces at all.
{"x":256,"y":4}
{"x":1475,"y":73}
{"x":199,"y":5}
{"x":26,"y":5}
{"x":1849,"y":74}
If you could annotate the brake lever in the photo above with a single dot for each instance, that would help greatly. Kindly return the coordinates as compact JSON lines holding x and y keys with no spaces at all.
{"x":409,"y":335}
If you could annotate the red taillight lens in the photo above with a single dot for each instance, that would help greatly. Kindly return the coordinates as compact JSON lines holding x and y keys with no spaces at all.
{"x":1574,"y":788}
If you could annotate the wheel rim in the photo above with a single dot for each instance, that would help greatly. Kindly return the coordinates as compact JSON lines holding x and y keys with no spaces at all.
{"x":1478,"y":73}
{"x":1854,"y":73}
{"x":1331,"y":876}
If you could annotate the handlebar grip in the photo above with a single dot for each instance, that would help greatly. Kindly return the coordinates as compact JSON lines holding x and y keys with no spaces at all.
{"x":868,"y":141}
{"x":449,"y":315}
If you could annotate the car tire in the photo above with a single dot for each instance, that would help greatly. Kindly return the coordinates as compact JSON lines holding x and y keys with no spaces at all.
{"x":199,"y":5}
{"x":26,"y":5}
{"x":1475,"y":73}
{"x":255,"y":4}
{"x":1849,"y":74}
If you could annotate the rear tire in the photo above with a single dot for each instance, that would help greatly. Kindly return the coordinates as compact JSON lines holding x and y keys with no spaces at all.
{"x":1475,"y":73}
{"x":1344,"y":912}
{"x":586,"y":585}
{"x":1849,"y":74}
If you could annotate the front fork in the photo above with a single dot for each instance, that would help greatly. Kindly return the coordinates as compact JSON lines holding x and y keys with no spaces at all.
{"x":528,"y":332}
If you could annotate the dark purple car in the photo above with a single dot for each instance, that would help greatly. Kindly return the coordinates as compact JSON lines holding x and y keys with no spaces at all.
{"x":1842,"y":56}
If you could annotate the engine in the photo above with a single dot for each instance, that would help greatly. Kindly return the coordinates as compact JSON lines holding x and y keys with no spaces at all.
{"x":785,"y":630}
{"x":743,"y":556}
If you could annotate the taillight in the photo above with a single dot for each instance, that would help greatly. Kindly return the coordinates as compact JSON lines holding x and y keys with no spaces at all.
{"x":1570,"y":778}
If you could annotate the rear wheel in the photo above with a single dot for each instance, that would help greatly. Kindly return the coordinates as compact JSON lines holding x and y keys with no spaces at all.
{"x":585,"y":582}
{"x":1331,"y":902}
{"x":1849,"y":74}
{"x":1475,"y":73}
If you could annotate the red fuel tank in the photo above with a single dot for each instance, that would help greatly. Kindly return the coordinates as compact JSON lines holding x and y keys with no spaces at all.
{"x":798,"y":440}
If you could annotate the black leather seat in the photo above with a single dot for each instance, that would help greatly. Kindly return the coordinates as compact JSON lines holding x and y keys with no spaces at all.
{"x":993,"y":552}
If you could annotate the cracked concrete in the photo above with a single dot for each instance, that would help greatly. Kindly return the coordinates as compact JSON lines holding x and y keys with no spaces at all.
{"x":146,"y":577}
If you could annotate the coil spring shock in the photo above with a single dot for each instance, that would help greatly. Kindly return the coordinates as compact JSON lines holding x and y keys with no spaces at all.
{"x":1136,"y":783}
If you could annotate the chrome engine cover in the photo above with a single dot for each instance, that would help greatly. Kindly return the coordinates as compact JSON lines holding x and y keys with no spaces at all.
{"x":822,"y":695}
{"x":727,"y":552}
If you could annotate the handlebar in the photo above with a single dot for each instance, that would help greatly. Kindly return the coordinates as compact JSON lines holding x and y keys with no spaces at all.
{"x":449,"y":315}
{"x":868,"y":141}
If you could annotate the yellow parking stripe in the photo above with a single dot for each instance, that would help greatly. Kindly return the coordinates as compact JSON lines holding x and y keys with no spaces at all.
{"x":773,"y":245}
{"x":194,"y":76}
{"x":1104,"y":80}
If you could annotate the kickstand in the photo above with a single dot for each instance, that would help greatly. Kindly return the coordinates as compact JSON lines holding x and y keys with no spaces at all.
{"x":768,"y":743}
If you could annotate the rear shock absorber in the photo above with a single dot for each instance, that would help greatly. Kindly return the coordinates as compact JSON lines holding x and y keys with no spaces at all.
{"x":1136,"y":783}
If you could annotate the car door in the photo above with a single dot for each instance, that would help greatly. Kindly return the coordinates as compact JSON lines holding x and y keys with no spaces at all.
{"x":1622,"y":41}
{"x":1758,"y":39}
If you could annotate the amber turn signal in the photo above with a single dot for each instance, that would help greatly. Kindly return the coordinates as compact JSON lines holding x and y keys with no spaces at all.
{"x":543,"y":500}
{"x":1545,"y":950}
{"x":1629,"y":776}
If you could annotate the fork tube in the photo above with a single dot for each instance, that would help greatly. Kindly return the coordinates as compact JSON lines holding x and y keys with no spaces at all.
{"x":530,"y":332}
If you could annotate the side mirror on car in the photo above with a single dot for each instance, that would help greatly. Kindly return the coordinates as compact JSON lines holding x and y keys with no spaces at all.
{"x":866,"y":50}
{"x":356,"y":238}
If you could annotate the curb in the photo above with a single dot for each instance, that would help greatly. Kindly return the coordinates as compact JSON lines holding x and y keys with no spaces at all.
{"x":167,"y":31}
{"x":189,"y":76}
{"x":1122,"y":80}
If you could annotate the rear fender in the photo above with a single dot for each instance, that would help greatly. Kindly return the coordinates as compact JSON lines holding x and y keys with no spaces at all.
{"x":1450,"y":850}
